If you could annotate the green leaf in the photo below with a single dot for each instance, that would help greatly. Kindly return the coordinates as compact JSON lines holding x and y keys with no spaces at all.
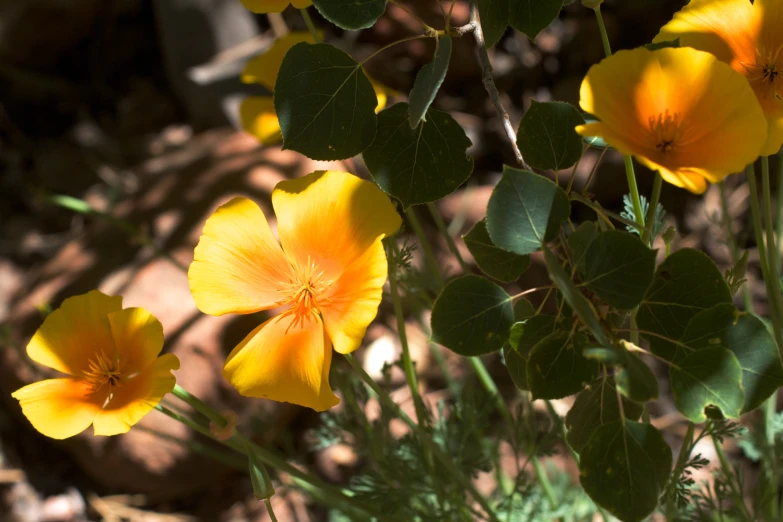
{"x":350,"y":14}
{"x":522,"y":338}
{"x":556,"y":367}
{"x":574,"y":298}
{"x":325,"y":103}
{"x":533,"y":16}
{"x":494,"y":20}
{"x":428,"y":81}
{"x":707,"y":377}
{"x":493,"y":261}
{"x":595,"y":406}
{"x":546,"y":136}
{"x":619,"y":268}
{"x":523,"y":309}
{"x":749,"y":340}
{"x":663,"y":44}
{"x":418,"y":165}
{"x":633,"y":377}
{"x":525,"y":211}
{"x":579,"y":241}
{"x":472,"y":316}
{"x":623,"y":468}
{"x":686,"y":283}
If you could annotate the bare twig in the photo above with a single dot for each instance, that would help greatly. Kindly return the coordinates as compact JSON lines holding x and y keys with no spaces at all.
{"x":488,"y":80}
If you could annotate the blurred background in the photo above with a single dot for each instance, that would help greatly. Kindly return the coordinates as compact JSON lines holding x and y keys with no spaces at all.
{"x":131,"y":106}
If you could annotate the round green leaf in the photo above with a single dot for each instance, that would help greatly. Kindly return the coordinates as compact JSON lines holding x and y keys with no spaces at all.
{"x":619,"y":268}
{"x":523,"y":337}
{"x":556,"y":367}
{"x":418,"y":165}
{"x":546,"y":136}
{"x":579,"y":241}
{"x":708,"y":377}
{"x":325,"y":103}
{"x":494,"y":20}
{"x":595,"y":406}
{"x":633,"y":378}
{"x":523,"y":309}
{"x":748,"y":339}
{"x":623,"y":468}
{"x":533,"y":16}
{"x":428,"y":81}
{"x":525,"y":211}
{"x":472,"y":316}
{"x":493,"y":261}
{"x":350,"y":14}
{"x":686,"y":283}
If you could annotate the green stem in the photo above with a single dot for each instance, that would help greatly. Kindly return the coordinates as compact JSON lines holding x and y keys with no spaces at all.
{"x":768,"y":412}
{"x":429,"y":255}
{"x":604,"y":37}
{"x":444,"y":368}
{"x":747,"y":300}
{"x":647,"y":235}
{"x":772,"y":299}
{"x":445,"y":232}
{"x":541,"y":475}
{"x":773,"y":252}
{"x":637,"y":202}
{"x":729,"y":472}
{"x":779,"y":225}
{"x":269,"y":510}
{"x":445,"y":460}
{"x":310,"y":25}
{"x":200,"y":406}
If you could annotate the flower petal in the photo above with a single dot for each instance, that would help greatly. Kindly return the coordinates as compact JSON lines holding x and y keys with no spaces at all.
{"x":59,"y":408}
{"x":331,"y":218}
{"x":238,"y":265}
{"x":266,"y":6}
{"x":301,"y":4}
{"x":134,"y":398}
{"x":354,"y":297}
{"x":284,"y":362}
{"x":69,"y":336}
{"x":264,"y":68}
{"x":260,"y":119}
{"x":138,"y":336}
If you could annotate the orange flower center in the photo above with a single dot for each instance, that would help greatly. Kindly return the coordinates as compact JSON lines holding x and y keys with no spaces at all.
{"x":305,"y":292}
{"x":666,"y":131}
{"x":766,"y":72}
{"x":102,"y":371}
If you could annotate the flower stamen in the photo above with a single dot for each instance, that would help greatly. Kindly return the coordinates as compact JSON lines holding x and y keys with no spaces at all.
{"x":305,"y":292}
{"x":666,"y":130}
{"x":103,"y":370}
{"x":766,"y":71}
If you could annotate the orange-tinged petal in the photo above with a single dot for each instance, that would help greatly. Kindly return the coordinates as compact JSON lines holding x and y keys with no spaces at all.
{"x":284,"y":362}
{"x":59,"y":408}
{"x":70,"y":336}
{"x":678,"y":110}
{"x":266,"y":6}
{"x":238,"y":265}
{"x":260,"y":119}
{"x":264,"y":68}
{"x":138,"y":336}
{"x":301,"y":4}
{"x":331,"y":218}
{"x":132,"y":399}
{"x":354,"y":297}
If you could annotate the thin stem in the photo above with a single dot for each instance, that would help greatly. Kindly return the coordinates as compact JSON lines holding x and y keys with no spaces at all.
{"x":604,"y":37}
{"x":445,"y":232}
{"x":768,"y":414}
{"x":385,"y":47}
{"x":429,"y":255}
{"x":773,"y":252}
{"x":772,"y":299}
{"x":541,"y":475}
{"x":652,"y":209}
{"x":732,"y":244}
{"x":637,"y":202}
{"x":779,"y":225}
{"x":200,"y":406}
{"x":605,"y":214}
{"x":729,"y":472}
{"x":310,"y":25}
{"x":445,"y":460}
{"x":413,"y":15}
{"x":269,"y":510}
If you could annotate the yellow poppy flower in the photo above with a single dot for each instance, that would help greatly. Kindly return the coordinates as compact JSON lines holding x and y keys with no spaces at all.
{"x":111,"y":357}
{"x":679,"y":111}
{"x":749,"y":37}
{"x":327,"y":273}
{"x":274,"y":6}
{"x":257,"y":113}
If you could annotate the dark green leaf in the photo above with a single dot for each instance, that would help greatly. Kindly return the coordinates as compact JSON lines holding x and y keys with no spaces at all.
{"x":493,"y":261}
{"x":428,"y":81}
{"x":595,"y":406}
{"x":418,"y":165}
{"x":749,"y":340}
{"x":686,"y":283}
{"x":663,"y":44}
{"x":494,"y":20}
{"x":574,"y":298}
{"x":325,"y":103}
{"x":350,"y":14}
{"x":594,"y":141}
{"x":633,"y":377}
{"x":522,"y":338}
{"x":578,"y":242}
{"x":619,"y":268}
{"x":532,"y":16}
{"x":623,"y":468}
{"x":472,"y":316}
{"x":711,"y":376}
{"x":523,"y":309}
{"x":546,"y":136}
{"x":525,"y":211}
{"x":556,"y":367}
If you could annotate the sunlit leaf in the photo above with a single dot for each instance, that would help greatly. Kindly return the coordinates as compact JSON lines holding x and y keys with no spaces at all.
{"x":350,"y":14}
